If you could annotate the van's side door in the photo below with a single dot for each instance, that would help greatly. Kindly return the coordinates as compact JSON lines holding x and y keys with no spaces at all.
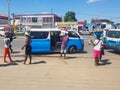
{"x":40,"y":42}
{"x":74,"y":40}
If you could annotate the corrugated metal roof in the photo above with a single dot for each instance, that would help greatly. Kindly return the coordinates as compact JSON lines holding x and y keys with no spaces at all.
{"x":3,"y":17}
{"x":17,"y":16}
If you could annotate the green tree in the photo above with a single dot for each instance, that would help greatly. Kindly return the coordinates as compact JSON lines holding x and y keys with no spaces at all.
{"x":70,"y":17}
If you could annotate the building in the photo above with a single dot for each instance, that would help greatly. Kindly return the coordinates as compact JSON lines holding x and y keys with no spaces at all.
{"x":103,"y":23}
{"x":37,"y":20}
{"x":3,"y":20}
{"x":117,"y":26}
{"x":71,"y":25}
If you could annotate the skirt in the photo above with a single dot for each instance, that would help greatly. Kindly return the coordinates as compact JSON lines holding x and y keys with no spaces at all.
{"x":96,"y":53}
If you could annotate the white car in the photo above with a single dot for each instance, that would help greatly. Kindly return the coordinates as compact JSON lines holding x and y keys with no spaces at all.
{"x":2,"y":33}
{"x":86,"y":32}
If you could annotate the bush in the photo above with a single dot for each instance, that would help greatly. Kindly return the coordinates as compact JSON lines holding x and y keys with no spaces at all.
{"x":19,"y":33}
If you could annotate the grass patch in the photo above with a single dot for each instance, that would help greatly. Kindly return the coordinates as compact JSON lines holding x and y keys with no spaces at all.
{"x":19,"y":33}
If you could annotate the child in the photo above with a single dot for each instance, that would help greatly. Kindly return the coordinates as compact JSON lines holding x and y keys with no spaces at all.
{"x":97,"y":49}
{"x":7,"y":47}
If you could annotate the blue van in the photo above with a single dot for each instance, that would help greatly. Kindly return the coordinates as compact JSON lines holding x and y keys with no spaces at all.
{"x":113,"y":39}
{"x":48,"y":40}
{"x":104,"y":37}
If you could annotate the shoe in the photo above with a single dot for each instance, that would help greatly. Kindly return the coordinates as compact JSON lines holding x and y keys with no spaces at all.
{"x":11,"y":61}
{"x":24,"y":63}
{"x":5,"y":62}
{"x":96,"y":64}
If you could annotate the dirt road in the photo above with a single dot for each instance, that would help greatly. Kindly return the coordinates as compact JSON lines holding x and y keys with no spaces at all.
{"x":49,"y":72}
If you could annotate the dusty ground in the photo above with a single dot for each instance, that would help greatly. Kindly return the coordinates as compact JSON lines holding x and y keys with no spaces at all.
{"x":49,"y":72}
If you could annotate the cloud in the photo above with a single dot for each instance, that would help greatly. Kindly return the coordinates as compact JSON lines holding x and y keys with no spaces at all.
{"x":91,"y":1}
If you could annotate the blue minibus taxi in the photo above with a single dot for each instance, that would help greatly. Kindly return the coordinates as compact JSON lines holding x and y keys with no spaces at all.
{"x":48,"y":40}
{"x":113,"y":39}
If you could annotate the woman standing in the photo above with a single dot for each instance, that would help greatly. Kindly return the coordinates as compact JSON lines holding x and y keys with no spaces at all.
{"x":64,"y":41}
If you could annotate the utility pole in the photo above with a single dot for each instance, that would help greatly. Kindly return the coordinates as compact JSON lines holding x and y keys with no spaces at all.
{"x":51,"y":18}
{"x":13,"y":18}
{"x":9,"y":23}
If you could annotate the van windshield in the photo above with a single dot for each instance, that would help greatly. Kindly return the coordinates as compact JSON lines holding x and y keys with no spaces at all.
{"x":39,"y":35}
{"x":114,"y":34}
{"x":73,"y":34}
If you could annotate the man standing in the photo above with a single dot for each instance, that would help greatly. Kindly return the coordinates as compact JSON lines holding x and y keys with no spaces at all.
{"x":11,"y":36}
{"x":27,"y":46}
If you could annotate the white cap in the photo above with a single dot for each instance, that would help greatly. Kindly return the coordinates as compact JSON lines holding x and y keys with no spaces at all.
{"x":27,"y":32}
{"x":62,"y":33}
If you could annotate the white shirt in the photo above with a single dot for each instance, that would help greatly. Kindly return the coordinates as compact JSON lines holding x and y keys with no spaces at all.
{"x":98,"y":44}
{"x":7,"y":42}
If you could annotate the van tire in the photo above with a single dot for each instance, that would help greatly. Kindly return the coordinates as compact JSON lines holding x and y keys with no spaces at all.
{"x":72,"y":49}
{"x":91,"y":33}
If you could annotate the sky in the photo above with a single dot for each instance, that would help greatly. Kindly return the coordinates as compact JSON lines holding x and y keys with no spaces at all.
{"x":84,"y":9}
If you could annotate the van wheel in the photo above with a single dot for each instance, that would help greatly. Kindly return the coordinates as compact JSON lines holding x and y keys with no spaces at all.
{"x":91,"y":33}
{"x":72,"y":49}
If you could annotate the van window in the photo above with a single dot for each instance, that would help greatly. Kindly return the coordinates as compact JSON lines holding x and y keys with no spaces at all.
{"x":73,"y":34}
{"x":1,"y":29}
{"x":114,"y":34}
{"x":39,"y":35}
{"x":103,"y":26}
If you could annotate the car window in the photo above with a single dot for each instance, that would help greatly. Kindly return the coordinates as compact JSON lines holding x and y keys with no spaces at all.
{"x":114,"y":34}
{"x":73,"y":34}
{"x":1,"y":30}
{"x":39,"y":35}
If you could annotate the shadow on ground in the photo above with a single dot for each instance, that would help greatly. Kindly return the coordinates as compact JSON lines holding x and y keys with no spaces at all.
{"x":8,"y":64}
{"x":40,"y":62}
{"x":19,"y":61}
{"x":114,"y":52}
{"x":15,"y":52}
{"x":104,"y":62}
{"x":68,"y":58}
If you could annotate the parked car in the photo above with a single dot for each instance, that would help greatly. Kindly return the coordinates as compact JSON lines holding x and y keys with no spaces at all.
{"x":48,"y":40}
{"x":113,"y":39}
{"x":2,"y":31}
{"x":85,"y":32}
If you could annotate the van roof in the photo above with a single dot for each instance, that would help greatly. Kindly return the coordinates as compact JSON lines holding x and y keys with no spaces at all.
{"x":1,"y":27}
{"x":114,"y":29}
{"x":45,"y":29}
